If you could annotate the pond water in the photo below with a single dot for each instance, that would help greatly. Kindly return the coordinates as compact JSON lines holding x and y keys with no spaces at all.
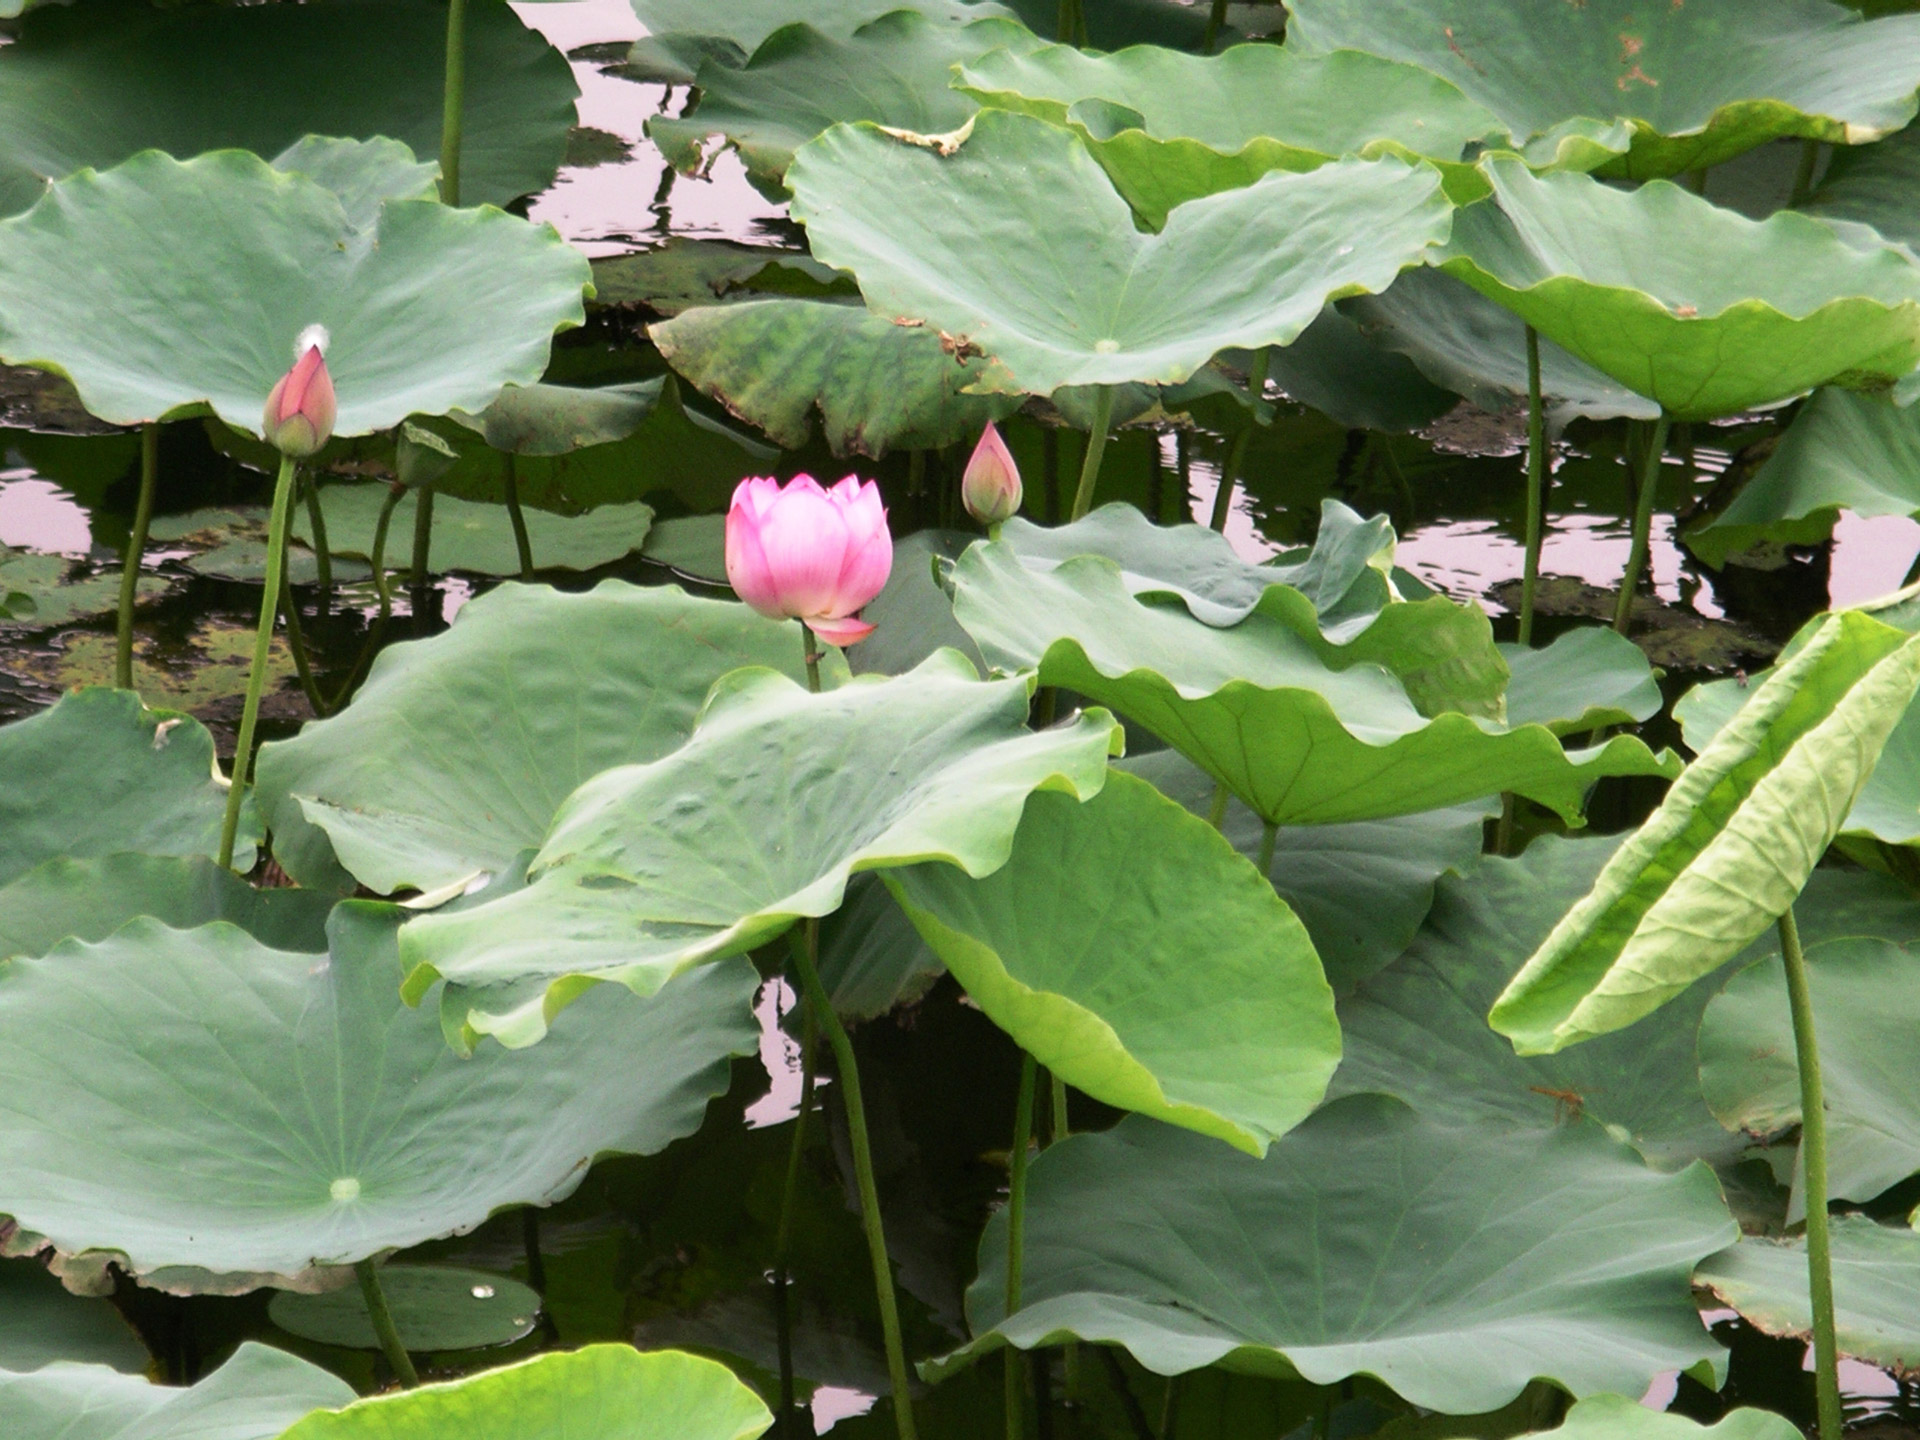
{"x":672,"y":1249}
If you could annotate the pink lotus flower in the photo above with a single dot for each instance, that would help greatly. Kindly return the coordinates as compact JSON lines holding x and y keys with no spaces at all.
{"x":300,"y":411}
{"x":809,"y":554}
{"x":990,"y":488}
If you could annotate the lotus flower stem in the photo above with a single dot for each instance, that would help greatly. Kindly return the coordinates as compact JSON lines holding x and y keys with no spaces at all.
{"x":1269,"y":833}
{"x":783,"y":1237}
{"x":1813,"y":1161}
{"x":1217,"y":812}
{"x":317,"y":522}
{"x":1071,"y":27}
{"x":297,"y":644}
{"x":453,"y":102}
{"x":1803,"y":175}
{"x":1096,"y":443}
{"x":136,"y":548}
{"x":1642,"y":521}
{"x":530,"y":1246}
{"x":1229,"y":477}
{"x":1216,"y":22}
{"x":395,"y":494}
{"x":1536,"y":486}
{"x":262,"y":643}
{"x":383,"y":1326}
{"x":1061,"y":1128}
{"x":849,"y":1072}
{"x":810,"y":648}
{"x":517,"y":519}
{"x":420,"y":571}
{"x":1017,"y":1236}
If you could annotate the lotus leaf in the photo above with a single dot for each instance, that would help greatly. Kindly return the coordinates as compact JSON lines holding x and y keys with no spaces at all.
{"x":206,"y":271}
{"x":1842,"y":452}
{"x":1454,"y":1264}
{"x":1701,"y":310}
{"x":90,"y":899}
{"x":1169,"y":128}
{"x":434,"y":1307}
{"x":1478,"y":348}
{"x":1256,"y":706}
{"x":1685,"y":86}
{"x":457,"y":751}
{"x":1874,"y":185}
{"x":1863,"y":988}
{"x":695,"y":547}
{"x":99,"y":773}
{"x":611,"y":1392}
{"x":38,"y":593}
{"x":756,"y":821}
{"x":1730,"y":846}
{"x":1586,"y":678}
{"x":1615,"y":1417}
{"x":681,"y":33}
{"x":1418,"y":1028}
{"x":913,"y":615}
{"x":871,"y":957}
{"x":1360,"y":889}
{"x":325,"y":1121}
{"x":364,"y":174}
{"x":878,"y":386}
{"x":230,"y":543}
{"x":683,"y":273}
{"x":1336,"y":368}
{"x":91,"y":85}
{"x":1127,"y":948}
{"x":254,"y":1396}
{"x":801,"y":81}
{"x":1100,"y":303}
{"x":549,"y":420}
{"x":477,"y":537}
{"x":1876,"y":1288}
{"x":41,"y":1324}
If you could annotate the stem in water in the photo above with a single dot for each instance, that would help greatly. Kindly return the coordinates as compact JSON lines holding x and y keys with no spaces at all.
{"x":1096,"y":443}
{"x":136,"y":547}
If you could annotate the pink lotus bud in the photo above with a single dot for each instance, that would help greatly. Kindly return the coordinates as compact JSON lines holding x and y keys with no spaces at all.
{"x":991,"y":487}
{"x":300,"y":411}
{"x":809,"y":554}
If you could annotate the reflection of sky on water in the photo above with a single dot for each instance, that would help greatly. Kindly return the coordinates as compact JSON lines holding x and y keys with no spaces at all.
{"x":38,"y":515}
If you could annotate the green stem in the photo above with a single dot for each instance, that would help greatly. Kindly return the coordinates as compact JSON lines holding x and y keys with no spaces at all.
{"x":1017,"y":1237}
{"x":810,"y":644}
{"x":1216,"y":21}
{"x":789,"y":1194}
{"x":1229,"y":477}
{"x":849,"y":1073}
{"x":317,"y":522}
{"x":1803,"y":176}
{"x":1269,"y":833}
{"x":421,"y":569}
{"x":383,"y":1326}
{"x":1536,"y":486}
{"x":379,"y":557}
{"x":1217,"y":812}
{"x":1813,"y":1162}
{"x":453,"y":102}
{"x":297,"y":644}
{"x":1642,"y":522}
{"x":518,"y":520}
{"x":136,"y":548}
{"x":1096,"y":443}
{"x":530,"y":1246}
{"x":1058,"y":1097}
{"x":262,"y":642}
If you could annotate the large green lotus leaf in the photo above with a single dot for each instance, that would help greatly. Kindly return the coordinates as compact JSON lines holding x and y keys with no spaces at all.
{"x":1169,"y":128}
{"x":475,"y":536}
{"x":92,"y":84}
{"x":161,"y":286}
{"x":1615,"y":1417}
{"x":912,"y":615}
{"x":42,"y":1323}
{"x":1256,"y":706}
{"x":1337,"y":369}
{"x":458,"y":750}
{"x":1843,"y":451}
{"x":1454,"y":1264}
{"x":1361,"y":889}
{"x":99,"y":773}
{"x":1876,"y":1289}
{"x":871,"y":957}
{"x":549,"y":420}
{"x":90,"y":899}
{"x":1888,"y":805}
{"x":608,"y":1392}
{"x":1418,"y":1028}
{"x":1478,"y":348}
{"x":364,"y":174}
{"x":254,"y":1396}
{"x":41,"y":592}
{"x":1874,"y":185}
{"x":1698,"y":308}
{"x":878,"y":386}
{"x":311,"y":1118}
{"x":1130,"y":950}
{"x":1339,"y":596}
{"x":434,"y":1308}
{"x":801,"y":81}
{"x":1099,"y":303}
{"x":756,"y":821}
{"x":1585,"y":678}
{"x":683,"y":33}
{"x":1865,"y":1014}
{"x":1689,"y":85}
{"x":683,"y":272}
{"x":1730,"y":846}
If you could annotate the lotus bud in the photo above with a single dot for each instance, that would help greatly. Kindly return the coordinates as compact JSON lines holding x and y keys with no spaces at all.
{"x":803,"y":553}
{"x":300,"y":411}
{"x":990,"y":489}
